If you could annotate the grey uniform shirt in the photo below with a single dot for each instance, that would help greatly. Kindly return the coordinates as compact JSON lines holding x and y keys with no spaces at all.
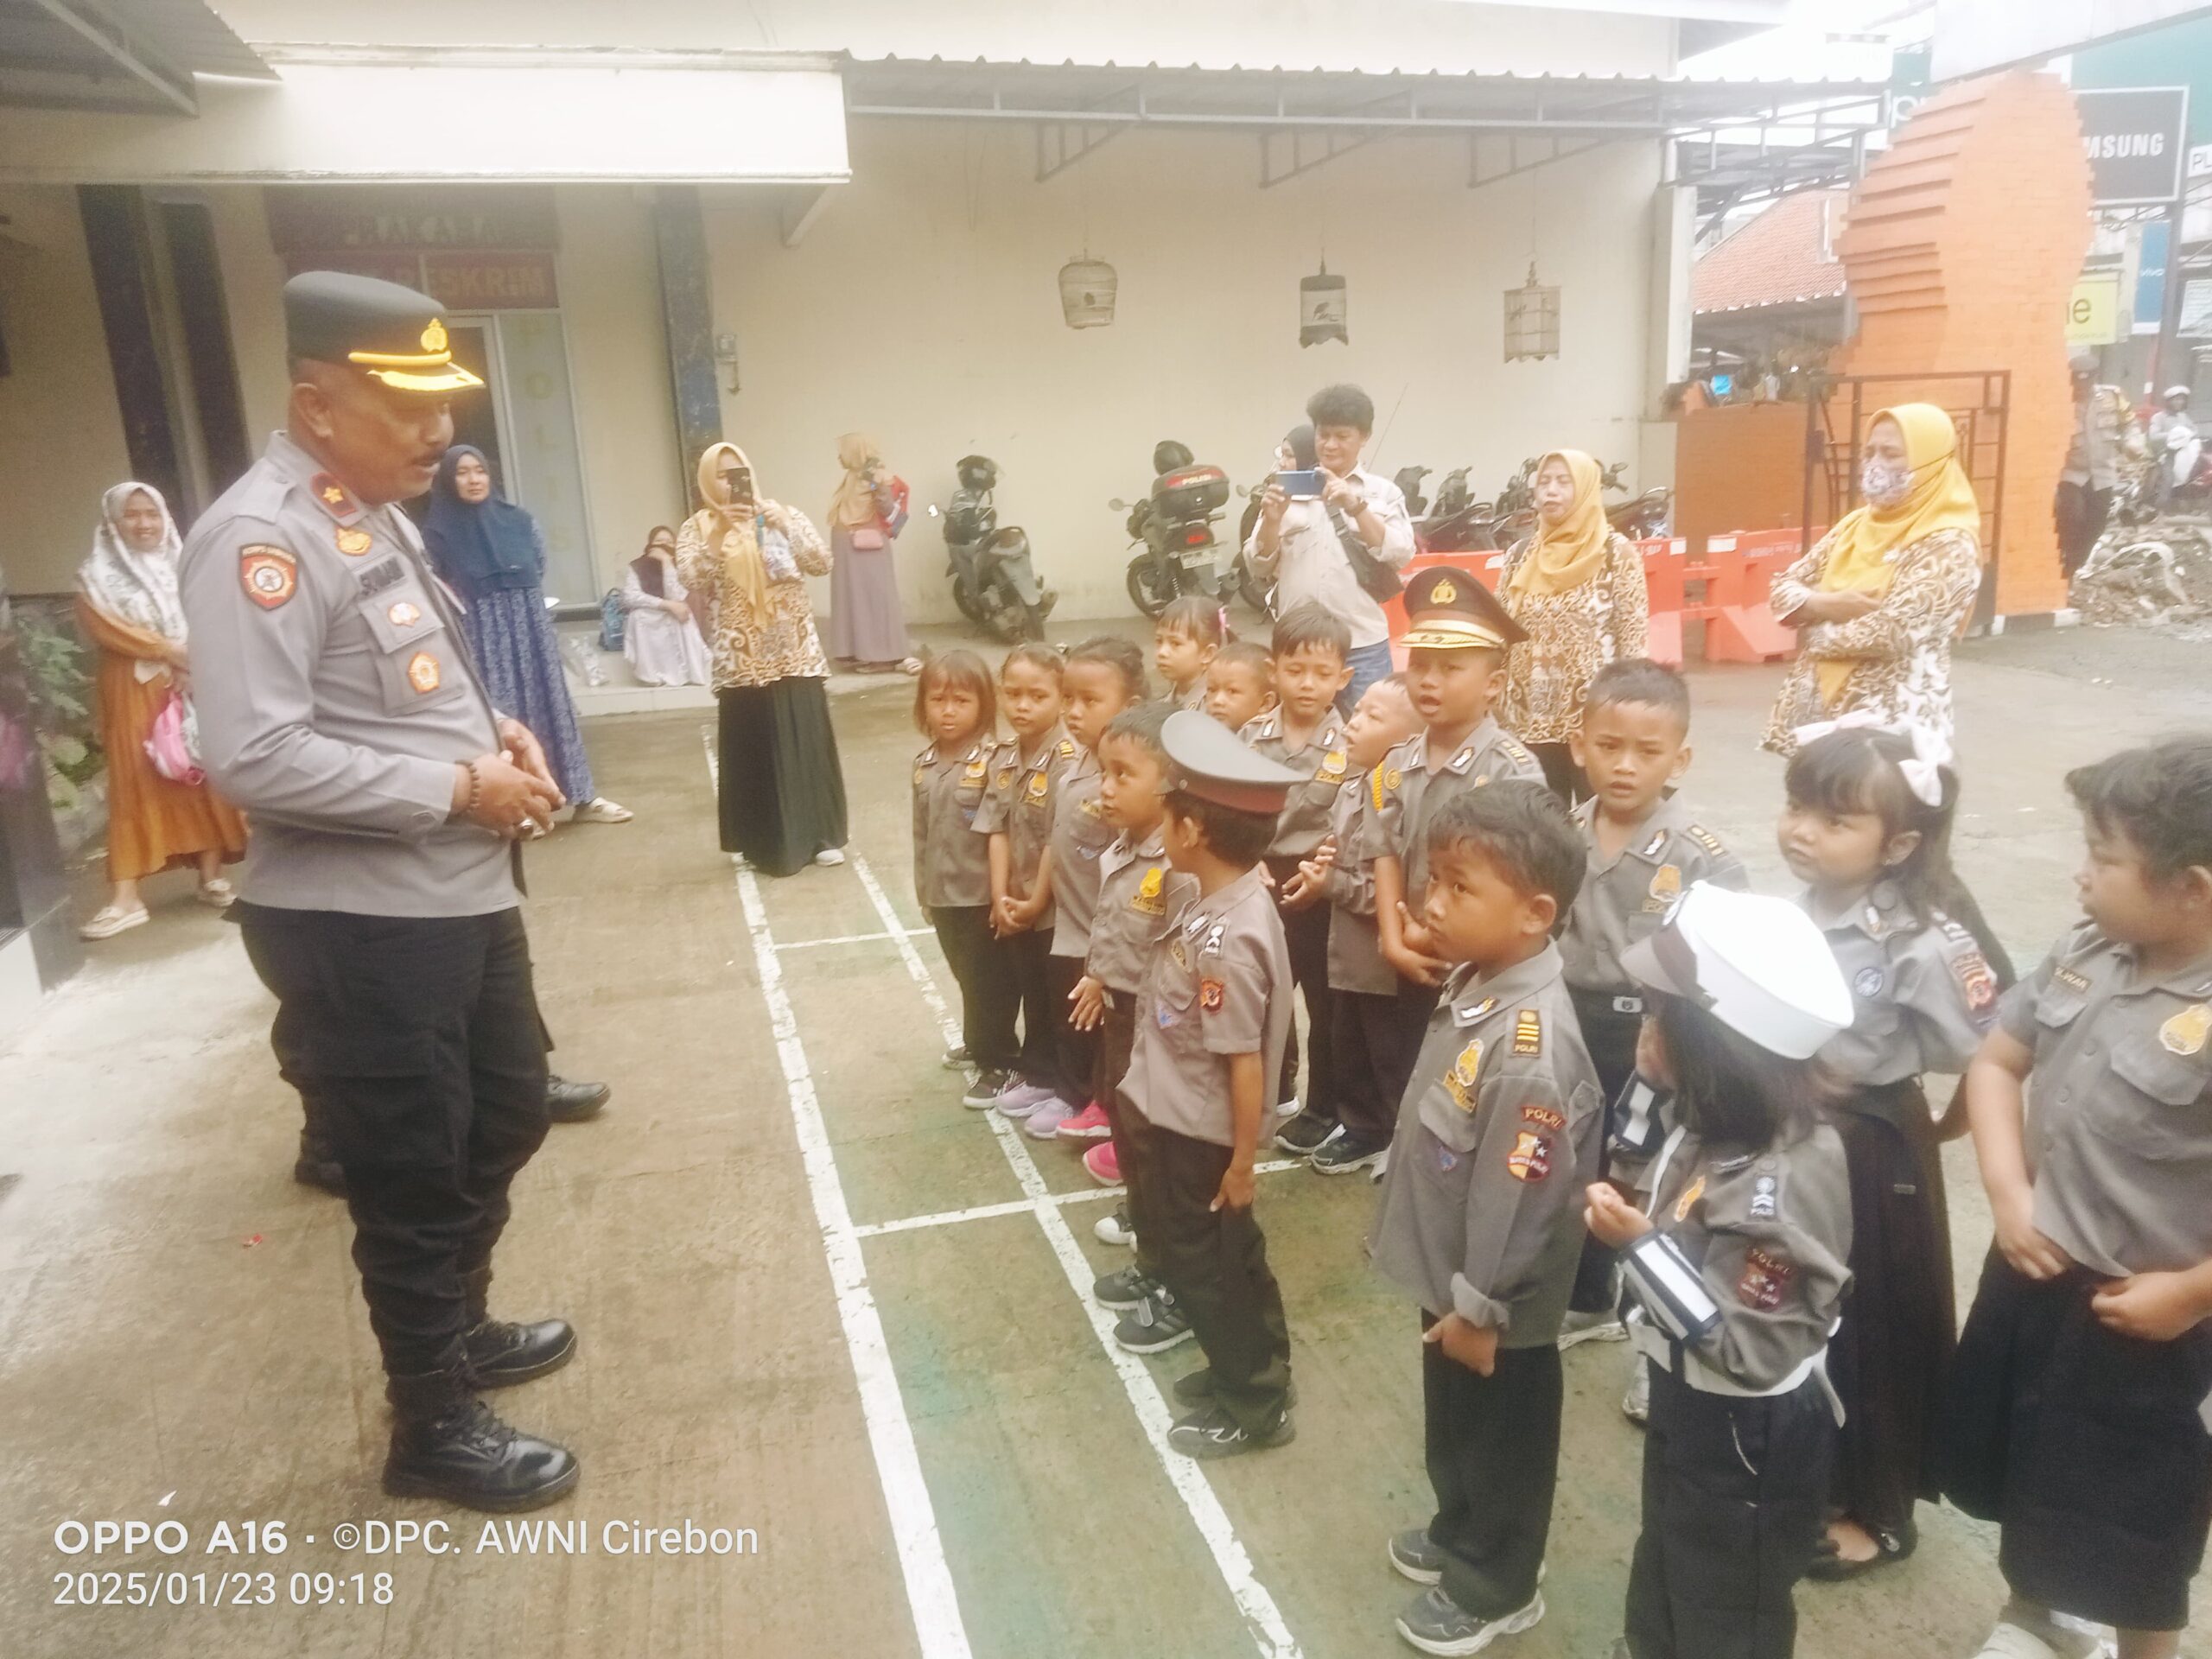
{"x":1219,"y":987}
{"x":1622,"y":901}
{"x":335,"y":695}
{"x":2120,"y":1105}
{"x":1080,"y":836}
{"x":1922,"y":996}
{"x":1141,"y":897}
{"x":951,"y":861}
{"x":1019,"y":806}
{"x":1411,"y":795}
{"x":1355,"y":948}
{"x":1769,"y":1232}
{"x":1481,"y":1212}
{"x":1323,"y":756}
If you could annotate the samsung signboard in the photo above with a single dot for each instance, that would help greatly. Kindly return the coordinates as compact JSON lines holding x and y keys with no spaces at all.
{"x":2134,"y":138}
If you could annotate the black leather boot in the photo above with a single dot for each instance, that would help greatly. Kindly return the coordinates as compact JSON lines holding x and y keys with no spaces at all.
{"x":318,"y":1166}
{"x":446,"y":1443}
{"x":501,"y":1354}
{"x":572,"y":1102}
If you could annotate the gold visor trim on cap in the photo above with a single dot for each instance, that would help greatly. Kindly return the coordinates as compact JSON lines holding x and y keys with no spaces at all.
{"x":451,"y":376}
{"x":1451,"y":634}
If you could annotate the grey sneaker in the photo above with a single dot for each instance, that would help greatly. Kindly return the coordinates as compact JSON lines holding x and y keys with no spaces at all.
{"x":1590,"y":1327}
{"x":1211,"y":1433}
{"x":1435,"y":1624}
{"x":1156,"y":1326}
{"x":1123,"y":1289}
{"x":1415,"y":1557}
{"x":984,"y":1092}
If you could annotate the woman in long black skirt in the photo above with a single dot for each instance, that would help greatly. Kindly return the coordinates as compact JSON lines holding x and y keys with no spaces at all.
{"x":744,"y":560}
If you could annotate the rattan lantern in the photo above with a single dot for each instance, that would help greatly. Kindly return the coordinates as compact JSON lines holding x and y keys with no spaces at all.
{"x":1531,"y":320}
{"x":1322,"y":311}
{"x":1087,"y":287}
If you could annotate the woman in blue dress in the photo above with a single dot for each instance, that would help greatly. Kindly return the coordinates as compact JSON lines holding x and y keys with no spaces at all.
{"x":489,"y":551}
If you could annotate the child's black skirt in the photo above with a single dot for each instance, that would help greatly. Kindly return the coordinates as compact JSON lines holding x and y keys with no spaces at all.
{"x":2085,"y":1445}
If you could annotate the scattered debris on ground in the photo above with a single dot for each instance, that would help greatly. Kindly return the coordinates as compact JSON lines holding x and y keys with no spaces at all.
{"x":2158,"y":574}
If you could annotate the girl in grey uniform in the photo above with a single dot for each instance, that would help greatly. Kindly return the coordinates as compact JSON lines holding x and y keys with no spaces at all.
{"x":1867,"y":828}
{"x":1735,"y":1275}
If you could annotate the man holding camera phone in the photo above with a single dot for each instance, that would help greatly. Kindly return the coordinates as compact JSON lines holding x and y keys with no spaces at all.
{"x":1342,"y":546}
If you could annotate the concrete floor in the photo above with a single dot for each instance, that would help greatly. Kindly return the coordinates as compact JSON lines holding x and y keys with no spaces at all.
{"x":936,"y":1451}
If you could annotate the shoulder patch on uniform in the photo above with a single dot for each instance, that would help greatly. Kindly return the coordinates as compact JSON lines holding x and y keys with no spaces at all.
{"x":1212,"y":946}
{"x":1211,"y":992}
{"x":1976,"y":980}
{"x":1762,"y":1206}
{"x":270,"y":576}
{"x":1460,"y":1078}
{"x":1707,"y":839}
{"x":1543,"y":1117}
{"x":1528,"y":1032}
{"x":2185,"y":1032}
{"x":1531,"y":1157}
{"x":1765,"y":1280}
{"x":1513,"y":747}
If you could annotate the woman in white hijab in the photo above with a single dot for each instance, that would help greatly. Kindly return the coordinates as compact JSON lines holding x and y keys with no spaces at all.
{"x":161,"y":814}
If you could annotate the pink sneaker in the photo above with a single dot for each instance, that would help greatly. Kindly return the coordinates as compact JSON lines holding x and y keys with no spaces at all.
{"x":1089,"y":1124}
{"x":1105,"y":1168}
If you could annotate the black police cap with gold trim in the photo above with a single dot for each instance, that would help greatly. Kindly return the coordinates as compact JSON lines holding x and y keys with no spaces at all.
{"x":381,"y":328}
{"x":1450,"y":610}
{"x":1211,"y":762}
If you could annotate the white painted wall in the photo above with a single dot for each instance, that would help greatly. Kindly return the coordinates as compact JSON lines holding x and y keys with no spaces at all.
{"x":922,"y":306}
{"x":60,"y":437}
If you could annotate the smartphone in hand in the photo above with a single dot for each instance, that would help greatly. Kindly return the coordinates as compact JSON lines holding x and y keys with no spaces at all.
{"x":1302,"y":485}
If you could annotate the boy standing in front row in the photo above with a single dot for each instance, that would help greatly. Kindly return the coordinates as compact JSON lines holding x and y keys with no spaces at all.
{"x":1481,"y":1216}
{"x":1212,"y":1016}
{"x":2078,"y":1411}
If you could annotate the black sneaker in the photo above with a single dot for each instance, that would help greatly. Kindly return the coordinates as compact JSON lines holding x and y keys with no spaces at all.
{"x":1340,"y":1155}
{"x":956,"y":1059}
{"x":1415,"y":1556}
{"x":1435,"y":1624}
{"x":1212,"y":1432}
{"x":984,"y":1092}
{"x":1305,"y":1132}
{"x":1156,"y":1326}
{"x":1195,"y":1388}
{"x":1123,"y":1289}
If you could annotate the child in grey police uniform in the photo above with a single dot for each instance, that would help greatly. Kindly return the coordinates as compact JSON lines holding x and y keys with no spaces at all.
{"x":1140,"y":898}
{"x":1305,"y":732}
{"x":1867,"y":827}
{"x":1378,"y":1025}
{"x":1104,"y":676}
{"x":1456,"y":645}
{"x":1016,"y":817}
{"x":2082,"y":1395}
{"x":1736,"y":1273}
{"x":1211,"y":1020}
{"x":1481,"y":1215}
{"x":1645,"y":848}
{"x":957,"y":710}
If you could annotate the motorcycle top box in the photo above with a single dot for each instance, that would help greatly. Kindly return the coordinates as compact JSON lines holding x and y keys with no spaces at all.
{"x":1191,"y":492}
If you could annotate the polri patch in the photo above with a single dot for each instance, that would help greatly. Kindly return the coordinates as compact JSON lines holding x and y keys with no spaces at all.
{"x":1543,"y":1117}
{"x":1211,"y":992}
{"x":1976,"y":980}
{"x":1531,"y":1157}
{"x":270,"y":576}
{"x":1762,"y":1198}
{"x":1765,"y":1280}
{"x":1527,"y":1033}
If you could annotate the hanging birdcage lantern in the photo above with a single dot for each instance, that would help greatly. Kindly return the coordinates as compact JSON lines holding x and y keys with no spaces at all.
{"x":1087,"y":287}
{"x":1321,"y":308}
{"x":1531,"y":320}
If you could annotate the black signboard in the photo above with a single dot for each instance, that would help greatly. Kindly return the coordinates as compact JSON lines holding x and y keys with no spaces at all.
{"x":2133,"y":137}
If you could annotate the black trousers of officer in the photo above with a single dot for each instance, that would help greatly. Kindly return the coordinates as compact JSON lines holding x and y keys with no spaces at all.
{"x":1493,"y":1459}
{"x":1306,"y":933}
{"x":1377,"y":1040}
{"x":1610,"y":1035}
{"x":419,"y":1040}
{"x":1215,"y":1261}
{"x":1735,"y":1495}
{"x":990,"y":1000}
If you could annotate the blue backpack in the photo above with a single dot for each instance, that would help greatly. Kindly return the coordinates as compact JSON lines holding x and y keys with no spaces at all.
{"x":612,"y":617}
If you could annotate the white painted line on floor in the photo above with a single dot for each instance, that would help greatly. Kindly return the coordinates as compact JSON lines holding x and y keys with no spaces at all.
{"x":852,"y":938}
{"x":1022,"y":1206}
{"x":1261,"y":1617}
{"x":929,"y":1595}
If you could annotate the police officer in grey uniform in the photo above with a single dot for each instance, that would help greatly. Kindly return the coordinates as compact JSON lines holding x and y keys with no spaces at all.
{"x":338,"y":705}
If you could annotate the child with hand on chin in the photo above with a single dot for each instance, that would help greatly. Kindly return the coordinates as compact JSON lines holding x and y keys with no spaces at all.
{"x":1481,"y":1218}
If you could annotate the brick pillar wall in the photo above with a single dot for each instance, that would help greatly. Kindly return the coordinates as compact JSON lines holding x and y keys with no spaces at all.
{"x":1961,"y":247}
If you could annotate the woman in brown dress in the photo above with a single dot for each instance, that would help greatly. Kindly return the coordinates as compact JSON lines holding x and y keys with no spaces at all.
{"x":127,"y":606}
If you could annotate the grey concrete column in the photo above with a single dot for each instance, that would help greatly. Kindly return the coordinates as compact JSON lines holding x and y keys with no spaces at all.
{"x":687,"y":296}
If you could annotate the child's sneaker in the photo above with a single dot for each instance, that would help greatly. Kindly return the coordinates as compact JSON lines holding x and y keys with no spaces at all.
{"x":1636,"y":1404}
{"x":1212,"y":1432}
{"x":1123,"y":1290}
{"x":1089,"y":1124}
{"x":1021,"y":1096}
{"x":1155,"y":1325}
{"x":1103,"y":1165}
{"x":1415,"y":1556}
{"x":956,"y":1059}
{"x":1590,"y":1327}
{"x":1115,"y":1229}
{"x":1343,"y":1152}
{"x":1435,"y":1624}
{"x":1195,"y":1388}
{"x":1288,"y":1106}
{"x":986,"y":1089}
{"x":1303,"y":1134}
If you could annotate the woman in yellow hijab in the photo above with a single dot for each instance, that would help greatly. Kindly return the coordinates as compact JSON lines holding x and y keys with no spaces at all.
{"x":1577,"y":586}
{"x":1878,"y":600}
{"x":868,"y":626}
{"x":744,"y":560}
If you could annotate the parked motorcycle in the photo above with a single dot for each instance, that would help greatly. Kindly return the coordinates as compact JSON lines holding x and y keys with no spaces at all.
{"x":1173,"y":528}
{"x":993,"y":576}
{"x":1642,"y":516}
{"x":1408,"y":479}
{"x":1457,"y":522}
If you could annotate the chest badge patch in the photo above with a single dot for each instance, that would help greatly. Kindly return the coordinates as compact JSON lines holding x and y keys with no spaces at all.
{"x":1333,"y":765}
{"x":1868,"y":982}
{"x":1527,"y":1033}
{"x":1005,"y":778}
{"x":269,"y":575}
{"x":1443,"y":592}
{"x":1531,"y":1157}
{"x":977,"y":770}
{"x":2185,"y":1032}
{"x":354,"y":541}
{"x":422,"y":672}
{"x":1459,"y":1081}
{"x":1148,"y":898}
{"x":1688,"y":1202}
{"x":403,"y":613}
{"x":1039,"y":784}
{"x":1666,"y":885}
{"x":1210,"y":995}
{"x":1765,"y":1280}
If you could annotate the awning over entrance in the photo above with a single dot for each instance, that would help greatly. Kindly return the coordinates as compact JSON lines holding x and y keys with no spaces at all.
{"x":531,"y":114}
{"x":115,"y":54}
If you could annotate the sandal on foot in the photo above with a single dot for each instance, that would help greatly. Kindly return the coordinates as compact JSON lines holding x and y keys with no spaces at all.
{"x":218,"y":894}
{"x":600,"y":809}
{"x":110,"y":921}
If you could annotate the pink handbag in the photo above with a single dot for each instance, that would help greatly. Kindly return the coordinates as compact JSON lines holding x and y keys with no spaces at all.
{"x":867,"y":538}
{"x":169,"y":745}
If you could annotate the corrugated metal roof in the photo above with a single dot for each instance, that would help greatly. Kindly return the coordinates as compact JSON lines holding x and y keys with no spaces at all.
{"x":122,"y":55}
